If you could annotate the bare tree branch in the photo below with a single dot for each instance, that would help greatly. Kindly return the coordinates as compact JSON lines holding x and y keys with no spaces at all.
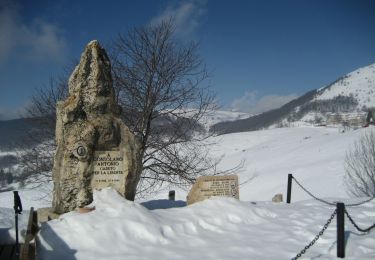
{"x":159,"y":84}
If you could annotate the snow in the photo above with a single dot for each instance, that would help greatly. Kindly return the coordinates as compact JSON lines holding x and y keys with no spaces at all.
{"x":218,"y":116}
{"x":7,"y":231}
{"x":314,"y":155}
{"x":359,"y":83}
{"x":220,"y":228}
{"x":7,"y":153}
{"x":30,"y":197}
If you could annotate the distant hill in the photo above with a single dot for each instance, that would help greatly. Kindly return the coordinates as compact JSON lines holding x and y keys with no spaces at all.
{"x":16,"y":133}
{"x":345,"y":101}
{"x":13,"y":133}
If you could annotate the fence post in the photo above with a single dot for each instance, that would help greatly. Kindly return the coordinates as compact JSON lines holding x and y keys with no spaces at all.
{"x":289,"y":190}
{"x":172,"y":195}
{"x":340,"y":207}
{"x":17,"y":210}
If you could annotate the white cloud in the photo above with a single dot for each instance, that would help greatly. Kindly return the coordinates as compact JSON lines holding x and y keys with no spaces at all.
{"x":36,"y":41}
{"x":250,"y":103}
{"x":185,"y":14}
{"x":7,"y":114}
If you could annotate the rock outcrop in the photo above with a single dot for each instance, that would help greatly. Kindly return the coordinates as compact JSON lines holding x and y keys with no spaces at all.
{"x":95,"y":149}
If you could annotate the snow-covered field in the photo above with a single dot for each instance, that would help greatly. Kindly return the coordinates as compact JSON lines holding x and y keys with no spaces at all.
{"x":314,"y":155}
{"x":221,"y":228}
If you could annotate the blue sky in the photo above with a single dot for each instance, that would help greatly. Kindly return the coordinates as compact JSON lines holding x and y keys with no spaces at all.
{"x":261,"y":53}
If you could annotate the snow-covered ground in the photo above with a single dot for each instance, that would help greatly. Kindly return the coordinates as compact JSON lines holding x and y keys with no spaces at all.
{"x":221,"y":228}
{"x":314,"y":155}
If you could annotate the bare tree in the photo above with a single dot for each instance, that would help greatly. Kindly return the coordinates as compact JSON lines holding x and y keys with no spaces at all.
{"x":360,"y":166}
{"x":36,"y":157}
{"x":159,"y":85}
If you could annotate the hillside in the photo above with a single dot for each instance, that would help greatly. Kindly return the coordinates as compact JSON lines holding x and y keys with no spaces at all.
{"x":14,"y":133}
{"x":315,"y":155}
{"x":344,"y":101}
{"x":263,"y":120}
{"x":360,"y":84}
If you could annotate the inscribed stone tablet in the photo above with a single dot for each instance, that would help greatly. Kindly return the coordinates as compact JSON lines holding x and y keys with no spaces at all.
{"x":108,"y":170}
{"x":212,"y":186}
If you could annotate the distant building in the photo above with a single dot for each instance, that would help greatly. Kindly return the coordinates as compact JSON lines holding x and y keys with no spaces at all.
{"x":355,"y":119}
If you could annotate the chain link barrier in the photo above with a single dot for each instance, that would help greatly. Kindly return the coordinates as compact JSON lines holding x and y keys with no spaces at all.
{"x":303,"y":251}
{"x":327,"y":202}
{"x":356,"y":226}
{"x":317,"y":236}
{"x":359,"y":203}
{"x":312,"y":195}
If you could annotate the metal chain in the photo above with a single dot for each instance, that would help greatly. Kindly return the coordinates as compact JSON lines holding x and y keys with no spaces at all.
{"x":312,"y":195}
{"x":356,"y":226}
{"x":316,"y":237}
{"x":331,"y":203}
{"x":360,"y":203}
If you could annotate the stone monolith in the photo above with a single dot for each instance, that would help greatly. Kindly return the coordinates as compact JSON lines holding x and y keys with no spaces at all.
{"x":95,"y":149}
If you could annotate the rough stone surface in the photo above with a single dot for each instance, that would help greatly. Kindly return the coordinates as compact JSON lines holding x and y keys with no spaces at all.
{"x":278,"y":198}
{"x":46,"y":214}
{"x":212,"y":186}
{"x":88,"y":124}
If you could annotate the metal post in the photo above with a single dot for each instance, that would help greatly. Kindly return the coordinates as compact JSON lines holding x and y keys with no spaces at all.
{"x":17,"y":210}
{"x":340,"y":207}
{"x":172,"y":195}
{"x":17,"y":242}
{"x":289,"y":191}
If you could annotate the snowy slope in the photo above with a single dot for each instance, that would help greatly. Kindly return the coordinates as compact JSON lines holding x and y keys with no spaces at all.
{"x":359,"y":83}
{"x":314,"y":155}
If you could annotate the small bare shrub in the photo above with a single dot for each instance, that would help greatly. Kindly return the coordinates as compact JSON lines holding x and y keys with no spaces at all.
{"x":360,"y":166}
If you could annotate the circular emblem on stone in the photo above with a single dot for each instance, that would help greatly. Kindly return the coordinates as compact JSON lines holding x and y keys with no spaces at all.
{"x":81,"y":150}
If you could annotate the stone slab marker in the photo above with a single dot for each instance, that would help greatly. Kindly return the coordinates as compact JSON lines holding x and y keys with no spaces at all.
{"x":213,"y":186}
{"x":278,"y":198}
{"x":95,"y":149}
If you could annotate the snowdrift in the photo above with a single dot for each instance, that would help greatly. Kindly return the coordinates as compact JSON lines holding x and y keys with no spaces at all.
{"x":220,"y":228}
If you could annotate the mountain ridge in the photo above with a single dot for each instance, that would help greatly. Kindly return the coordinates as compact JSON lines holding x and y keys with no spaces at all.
{"x":350,"y":96}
